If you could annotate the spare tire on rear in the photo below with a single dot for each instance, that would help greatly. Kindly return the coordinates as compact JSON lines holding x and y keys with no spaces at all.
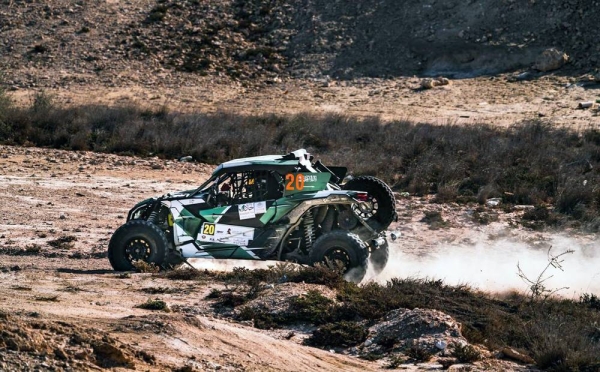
{"x":379,"y":211}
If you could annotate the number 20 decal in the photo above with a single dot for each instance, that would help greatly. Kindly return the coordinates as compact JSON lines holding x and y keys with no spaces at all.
{"x":208,"y":229}
{"x":294,"y":182}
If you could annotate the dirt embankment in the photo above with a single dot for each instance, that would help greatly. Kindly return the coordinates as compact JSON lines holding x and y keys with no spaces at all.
{"x":290,"y":56}
{"x":247,"y":39}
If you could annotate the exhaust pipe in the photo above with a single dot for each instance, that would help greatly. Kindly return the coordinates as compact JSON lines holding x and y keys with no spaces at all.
{"x":378,"y":242}
{"x":395,"y":235}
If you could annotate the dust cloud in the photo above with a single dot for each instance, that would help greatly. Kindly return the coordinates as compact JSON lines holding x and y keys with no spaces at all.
{"x":228,"y":265}
{"x":491,"y":266}
{"x":487,"y":265}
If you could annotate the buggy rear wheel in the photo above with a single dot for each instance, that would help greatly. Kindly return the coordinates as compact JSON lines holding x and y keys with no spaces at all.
{"x":137,"y":240}
{"x":344,"y":251}
{"x":380,"y":209}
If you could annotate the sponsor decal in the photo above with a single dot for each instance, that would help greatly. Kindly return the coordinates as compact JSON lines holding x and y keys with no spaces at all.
{"x":260,"y":207}
{"x":229,"y":234}
{"x":240,"y":241}
{"x":310,"y":178}
{"x":246,"y":211}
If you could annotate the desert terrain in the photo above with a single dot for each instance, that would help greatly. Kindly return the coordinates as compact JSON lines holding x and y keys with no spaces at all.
{"x":57,"y":282}
{"x":60,"y":208}
{"x":62,"y":307}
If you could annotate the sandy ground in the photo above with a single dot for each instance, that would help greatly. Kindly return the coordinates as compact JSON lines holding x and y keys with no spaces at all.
{"x":491,"y":100}
{"x":51,"y":194}
{"x":83,"y":197}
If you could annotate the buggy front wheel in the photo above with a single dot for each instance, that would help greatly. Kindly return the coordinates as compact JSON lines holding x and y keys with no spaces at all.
{"x":137,"y":240}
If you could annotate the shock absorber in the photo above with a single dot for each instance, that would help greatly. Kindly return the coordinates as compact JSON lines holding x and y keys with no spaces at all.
{"x":153,"y":214}
{"x":309,"y":229}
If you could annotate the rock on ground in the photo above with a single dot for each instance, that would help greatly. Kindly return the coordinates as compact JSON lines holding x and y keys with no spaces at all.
{"x":429,"y":330}
{"x":551,"y":59}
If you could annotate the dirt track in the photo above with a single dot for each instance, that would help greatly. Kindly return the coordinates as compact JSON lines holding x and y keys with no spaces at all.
{"x":59,"y":210}
{"x":52,"y":194}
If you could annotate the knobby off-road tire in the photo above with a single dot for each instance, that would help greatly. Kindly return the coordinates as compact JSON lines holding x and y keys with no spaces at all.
{"x":137,"y":240}
{"x":379,"y":257}
{"x":345,"y":248}
{"x":382,"y":200}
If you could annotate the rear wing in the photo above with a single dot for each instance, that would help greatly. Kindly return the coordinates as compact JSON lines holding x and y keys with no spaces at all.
{"x":337,"y":173}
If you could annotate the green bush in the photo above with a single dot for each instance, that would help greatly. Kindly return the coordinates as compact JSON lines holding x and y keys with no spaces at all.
{"x":417,"y":353}
{"x":342,"y":334}
{"x":312,"y":307}
{"x":465,"y":353}
{"x":154,"y":305}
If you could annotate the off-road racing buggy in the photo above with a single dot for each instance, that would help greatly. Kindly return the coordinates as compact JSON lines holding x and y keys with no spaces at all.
{"x":281,"y":207}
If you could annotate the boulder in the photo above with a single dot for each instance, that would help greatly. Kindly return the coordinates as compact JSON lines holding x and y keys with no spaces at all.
{"x":426,"y":329}
{"x":431,"y":83}
{"x":550,"y":59}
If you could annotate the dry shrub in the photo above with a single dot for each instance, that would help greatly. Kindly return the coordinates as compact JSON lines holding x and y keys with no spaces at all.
{"x":187,"y":273}
{"x":145,"y":267}
{"x":529,"y":163}
{"x":434,"y":219}
{"x":155,"y":304}
{"x":417,"y":353}
{"x":465,"y":353}
{"x":343,"y":334}
{"x":64,"y":242}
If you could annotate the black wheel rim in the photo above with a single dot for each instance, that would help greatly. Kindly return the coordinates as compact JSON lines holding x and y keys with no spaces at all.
{"x":338,"y":258}
{"x":138,"y":249}
{"x":367,"y":209}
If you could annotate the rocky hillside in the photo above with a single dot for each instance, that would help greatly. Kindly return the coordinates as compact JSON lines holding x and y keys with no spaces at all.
{"x":75,"y":41}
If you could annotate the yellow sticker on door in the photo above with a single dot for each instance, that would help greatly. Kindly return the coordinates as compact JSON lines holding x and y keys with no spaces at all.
{"x":208,"y":229}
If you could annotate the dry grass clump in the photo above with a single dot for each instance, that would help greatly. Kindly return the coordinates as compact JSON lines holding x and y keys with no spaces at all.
{"x":187,"y":273}
{"x":155,"y":304}
{"x":529,"y":163}
{"x":434,"y":219}
{"x":63,"y":242}
{"x":145,"y":267}
{"x":48,"y":298}
{"x":465,"y":353}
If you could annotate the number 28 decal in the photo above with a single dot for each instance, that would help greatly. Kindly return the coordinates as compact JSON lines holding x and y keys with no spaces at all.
{"x":294,"y":182}
{"x":208,"y":229}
